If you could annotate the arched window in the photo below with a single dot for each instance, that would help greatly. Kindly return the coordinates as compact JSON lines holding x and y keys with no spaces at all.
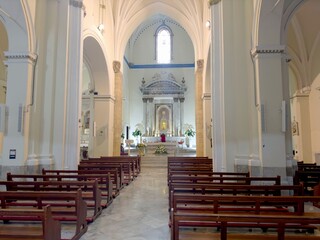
{"x":163,"y":38}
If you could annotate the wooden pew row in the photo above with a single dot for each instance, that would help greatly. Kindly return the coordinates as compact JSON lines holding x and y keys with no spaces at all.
{"x":126,"y":167}
{"x":226,"y":180}
{"x":136,"y":160}
{"x":114,"y":175}
{"x":104,"y":181}
{"x":46,"y":229}
{"x":204,"y":173}
{"x":187,"y":205}
{"x":105,"y":167}
{"x":65,"y":206}
{"x":90,"y":192}
{"x":309,"y":180}
{"x":189,"y":164}
{"x":225,"y":221}
{"x":224,"y":189}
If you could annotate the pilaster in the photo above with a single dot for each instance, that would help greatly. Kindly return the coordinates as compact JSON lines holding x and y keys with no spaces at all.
{"x":74,"y":84}
{"x":199,"y":108}
{"x":271,"y":108}
{"x":20,"y":68}
{"x":117,"y":108}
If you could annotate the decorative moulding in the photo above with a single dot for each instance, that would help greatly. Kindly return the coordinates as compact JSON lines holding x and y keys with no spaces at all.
{"x":268,"y":49}
{"x":14,"y":56}
{"x":163,"y":84}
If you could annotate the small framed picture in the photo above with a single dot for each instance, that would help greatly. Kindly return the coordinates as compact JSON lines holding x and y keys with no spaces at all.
{"x":295,"y":128}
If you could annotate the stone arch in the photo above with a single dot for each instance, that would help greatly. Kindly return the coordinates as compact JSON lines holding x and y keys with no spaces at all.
{"x":95,"y":56}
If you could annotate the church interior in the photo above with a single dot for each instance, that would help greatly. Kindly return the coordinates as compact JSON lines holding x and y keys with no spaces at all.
{"x":233,"y":81}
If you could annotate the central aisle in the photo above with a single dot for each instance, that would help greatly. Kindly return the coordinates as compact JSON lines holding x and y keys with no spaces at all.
{"x":140,"y":212}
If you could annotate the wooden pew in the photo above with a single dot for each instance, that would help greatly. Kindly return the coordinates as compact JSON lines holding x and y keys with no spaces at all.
{"x":135,"y":160}
{"x":204,"y":173}
{"x":114,"y":174}
{"x":224,"y":221}
{"x":47,"y":229}
{"x":125,"y":166}
{"x":308,"y":178}
{"x":85,"y":166}
{"x":90,"y":192}
{"x":105,"y":183}
{"x":226,"y":180}
{"x":186,"y":205}
{"x":65,"y":206}
{"x":247,"y":190}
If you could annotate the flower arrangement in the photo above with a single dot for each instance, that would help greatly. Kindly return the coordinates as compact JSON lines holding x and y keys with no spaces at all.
{"x":161,"y":150}
{"x":189,"y":130}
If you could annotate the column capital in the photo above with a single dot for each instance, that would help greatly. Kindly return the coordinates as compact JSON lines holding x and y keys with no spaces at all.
{"x":268,"y":49}
{"x":200,"y":63}
{"x":116,"y":66}
{"x":76,"y":3}
{"x":213,"y":2}
{"x":20,"y":57}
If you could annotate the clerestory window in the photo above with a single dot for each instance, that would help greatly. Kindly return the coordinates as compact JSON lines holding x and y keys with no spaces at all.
{"x":163,"y":44}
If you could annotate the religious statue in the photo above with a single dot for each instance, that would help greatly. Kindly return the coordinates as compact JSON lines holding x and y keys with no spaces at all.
{"x":163,"y":122}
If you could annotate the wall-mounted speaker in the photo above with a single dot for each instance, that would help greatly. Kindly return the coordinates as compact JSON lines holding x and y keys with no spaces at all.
{"x":263,"y":119}
{"x":283,"y":113}
{"x":2,"y":118}
{"x":20,"y":118}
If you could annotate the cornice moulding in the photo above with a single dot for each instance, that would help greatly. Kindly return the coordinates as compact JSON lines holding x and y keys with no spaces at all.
{"x":20,"y":56}
{"x":76,"y":3}
{"x":271,"y":49}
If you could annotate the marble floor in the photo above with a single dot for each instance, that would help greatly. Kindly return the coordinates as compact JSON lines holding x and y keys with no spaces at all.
{"x":140,"y":212}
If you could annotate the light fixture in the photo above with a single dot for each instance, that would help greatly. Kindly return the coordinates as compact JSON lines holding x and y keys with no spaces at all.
{"x":101,"y":27}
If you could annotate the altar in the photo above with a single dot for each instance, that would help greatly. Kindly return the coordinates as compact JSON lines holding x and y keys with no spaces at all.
{"x":171,"y":144}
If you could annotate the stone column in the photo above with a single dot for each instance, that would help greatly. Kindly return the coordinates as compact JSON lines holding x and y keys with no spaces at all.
{"x":271,"y":135}
{"x":149,"y":116}
{"x":207,"y":128}
{"x":145,"y":121}
{"x":74,"y":84}
{"x":175,"y":117}
{"x":218,"y":111}
{"x":152,"y":121}
{"x":301,"y":120}
{"x":117,"y":108}
{"x":20,"y":73}
{"x":199,"y":108}
{"x":181,"y":133}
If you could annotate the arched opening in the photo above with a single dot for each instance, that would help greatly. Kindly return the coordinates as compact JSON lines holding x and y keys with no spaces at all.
{"x":96,"y":137}
{"x":304,"y":58}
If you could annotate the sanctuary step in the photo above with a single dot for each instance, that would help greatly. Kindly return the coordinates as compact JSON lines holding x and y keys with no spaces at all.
{"x":157,"y":161}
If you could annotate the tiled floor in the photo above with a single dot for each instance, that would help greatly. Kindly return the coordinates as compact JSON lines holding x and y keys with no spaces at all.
{"x":140,"y":212}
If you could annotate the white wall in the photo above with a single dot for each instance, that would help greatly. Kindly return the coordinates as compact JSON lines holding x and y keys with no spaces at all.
{"x":315,"y":116}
